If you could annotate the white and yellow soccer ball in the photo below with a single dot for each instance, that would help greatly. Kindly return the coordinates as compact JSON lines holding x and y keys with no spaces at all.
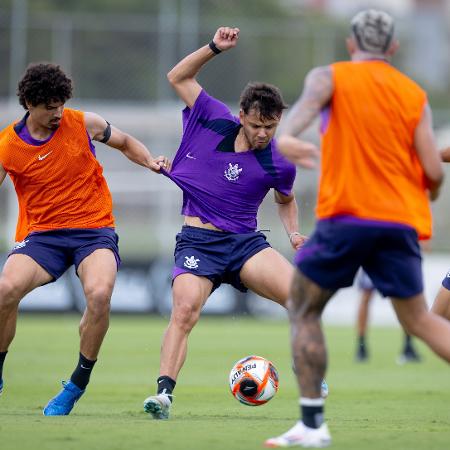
{"x":253,"y":380}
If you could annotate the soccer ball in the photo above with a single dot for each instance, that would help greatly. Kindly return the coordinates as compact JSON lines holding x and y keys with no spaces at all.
{"x":253,"y":380}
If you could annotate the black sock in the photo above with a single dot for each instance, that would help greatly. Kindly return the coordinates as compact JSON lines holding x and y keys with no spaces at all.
{"x":2,"y":360}
{"x":408,"y":345}
{"x":166,"y":385}
{"x":312,"y":412}
{"x":82,"y":372}
{"x":362,"y":341}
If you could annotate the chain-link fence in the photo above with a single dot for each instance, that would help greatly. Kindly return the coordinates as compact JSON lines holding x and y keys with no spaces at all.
{"x":119,"y":64}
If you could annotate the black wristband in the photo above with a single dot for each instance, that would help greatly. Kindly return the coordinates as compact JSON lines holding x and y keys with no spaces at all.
{"x":214,"y":48}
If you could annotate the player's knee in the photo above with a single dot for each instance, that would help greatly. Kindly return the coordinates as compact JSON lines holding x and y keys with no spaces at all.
{"x":10,"y":293}
{"x":304,"y":310}
{"x":185,"y":315}
{"x":98,"y":300}
{"x":417,"y":325}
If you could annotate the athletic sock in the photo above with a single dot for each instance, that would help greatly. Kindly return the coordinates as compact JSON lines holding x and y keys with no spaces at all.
{"x":312,"y":411}
{"x":166,"y":385}
{"x":408,"y":345}
{"x":82,"y":372}
{"x":2,"y":360}
{"x":362,"y":341}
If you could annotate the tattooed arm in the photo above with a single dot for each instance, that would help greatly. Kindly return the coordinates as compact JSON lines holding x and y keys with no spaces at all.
{"x":317,"y":93}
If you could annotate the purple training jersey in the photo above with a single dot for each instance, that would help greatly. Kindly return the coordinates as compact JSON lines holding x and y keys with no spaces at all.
{"x":219,"y":185}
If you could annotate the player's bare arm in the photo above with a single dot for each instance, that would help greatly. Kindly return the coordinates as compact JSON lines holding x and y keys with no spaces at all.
{"x":288,"y":212}
{"x":100,"y":130}
{"x":428,"y":154}
{"x":182,"y":76}
{"x":2,"y":174}
{"x":316,"y":94}
{"x":445,"y":154}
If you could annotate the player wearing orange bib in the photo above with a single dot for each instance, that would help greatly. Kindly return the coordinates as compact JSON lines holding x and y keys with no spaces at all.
{"x":379,"y":166}
{"x":65,"y":212}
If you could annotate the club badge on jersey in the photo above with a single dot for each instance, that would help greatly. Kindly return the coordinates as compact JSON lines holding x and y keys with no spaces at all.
{"x":233,"y":172}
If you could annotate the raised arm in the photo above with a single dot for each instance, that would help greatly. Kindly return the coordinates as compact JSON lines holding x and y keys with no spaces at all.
{"x":134,"y":150}
{"x":317,"y":92}
{"x":182,"y":76}
{"x":428,"y":154}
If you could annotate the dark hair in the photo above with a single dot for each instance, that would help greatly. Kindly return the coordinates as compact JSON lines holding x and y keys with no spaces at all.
{"x":44,"y":83}
{"x":265,"y":98}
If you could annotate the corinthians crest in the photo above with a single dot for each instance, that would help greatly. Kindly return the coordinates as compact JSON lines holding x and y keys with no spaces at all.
{"x":191,"y":262}
{"x":233,"y":172}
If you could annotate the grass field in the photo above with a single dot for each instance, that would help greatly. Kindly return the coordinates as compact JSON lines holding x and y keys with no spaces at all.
{"x":378,"y":405}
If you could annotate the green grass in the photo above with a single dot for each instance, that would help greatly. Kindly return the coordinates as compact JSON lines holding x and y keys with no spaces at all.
{"x":378,"y":405}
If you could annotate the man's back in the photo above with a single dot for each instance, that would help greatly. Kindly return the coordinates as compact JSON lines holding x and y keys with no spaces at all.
{"x":370,"y":169}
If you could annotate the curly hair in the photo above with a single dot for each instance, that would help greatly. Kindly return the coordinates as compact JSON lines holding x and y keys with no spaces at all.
{"x":264,"y":98}
{"x":43,"y":84}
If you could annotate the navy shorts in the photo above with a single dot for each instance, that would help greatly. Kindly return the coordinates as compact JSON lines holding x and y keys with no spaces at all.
{"x":389,"y":254}
{"x":57,"y":250}
{"x":446,"y":281}
{"x":216,"y":255}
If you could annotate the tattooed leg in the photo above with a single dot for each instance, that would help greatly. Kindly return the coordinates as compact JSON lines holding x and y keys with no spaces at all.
{"x":307,"y":340}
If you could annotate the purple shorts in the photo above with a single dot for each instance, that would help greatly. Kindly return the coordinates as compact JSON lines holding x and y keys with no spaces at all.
{"x":446,"y":281}
{"x":216,"y":255}
{"x":388,"y":253}
{"x":57,"y":250}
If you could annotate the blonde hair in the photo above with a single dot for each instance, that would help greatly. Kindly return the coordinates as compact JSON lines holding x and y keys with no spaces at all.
{"x":373,"y":31}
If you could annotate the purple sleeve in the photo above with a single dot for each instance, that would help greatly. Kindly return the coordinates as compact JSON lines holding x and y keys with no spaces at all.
{"x":286,"y":173}
{"x":285,"y":181}
{"x":206,"y":108}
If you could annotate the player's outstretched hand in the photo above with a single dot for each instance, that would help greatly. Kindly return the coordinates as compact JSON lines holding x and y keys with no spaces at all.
{"x":160,"y":162}
{"x":301,"y":153}
{"x":226,"y":38}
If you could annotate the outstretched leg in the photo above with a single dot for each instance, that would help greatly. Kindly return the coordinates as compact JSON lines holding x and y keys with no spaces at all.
{"x":413,"y":314}
{"x":270,"y":274}
{"x":441,"y":305}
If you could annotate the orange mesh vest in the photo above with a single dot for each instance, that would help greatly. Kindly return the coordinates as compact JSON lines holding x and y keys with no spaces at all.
{"x":370,"y":169}
{"x":59,"y":184}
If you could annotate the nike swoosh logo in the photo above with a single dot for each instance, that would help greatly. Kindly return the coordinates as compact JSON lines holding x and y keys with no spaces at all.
{"x":190,"y":156}
{"x":87,"y":368}
{"x":40,"y":158}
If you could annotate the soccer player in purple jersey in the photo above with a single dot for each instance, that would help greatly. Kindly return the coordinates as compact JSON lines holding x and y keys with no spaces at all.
{"x":225,"y":166}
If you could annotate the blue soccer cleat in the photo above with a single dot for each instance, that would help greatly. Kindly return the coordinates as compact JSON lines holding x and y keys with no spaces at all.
{"x":1,"y":387}
{"x":62,"y":404}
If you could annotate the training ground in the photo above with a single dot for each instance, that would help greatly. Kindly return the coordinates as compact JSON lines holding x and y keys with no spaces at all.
{"x":378,"y":405}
